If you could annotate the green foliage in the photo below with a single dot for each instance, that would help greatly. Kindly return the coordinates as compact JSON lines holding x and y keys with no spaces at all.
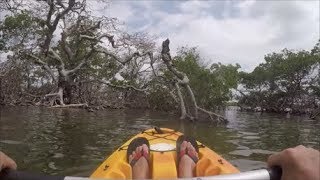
{"x":212,"y":86}
{"x":284,"y":80}
{"x":19,"y":29}
{"x":159,"y":98}
{"x":19,"y":21}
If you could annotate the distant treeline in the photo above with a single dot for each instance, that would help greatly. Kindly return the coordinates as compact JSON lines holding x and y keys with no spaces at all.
{"x":288,"y":81}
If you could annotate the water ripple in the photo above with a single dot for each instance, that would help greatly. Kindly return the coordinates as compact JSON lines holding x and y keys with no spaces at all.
{"x":74,"y":142}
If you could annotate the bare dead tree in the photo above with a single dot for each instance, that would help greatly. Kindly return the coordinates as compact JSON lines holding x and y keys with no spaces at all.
{"x":88,"y":34}
{"x":181,"y":79}
{"x":52,"y":22}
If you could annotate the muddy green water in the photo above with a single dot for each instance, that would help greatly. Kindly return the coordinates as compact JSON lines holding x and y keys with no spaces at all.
{"x":74,"y":141}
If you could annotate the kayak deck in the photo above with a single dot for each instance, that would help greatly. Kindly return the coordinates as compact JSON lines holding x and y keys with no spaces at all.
{"x":163,"y":159}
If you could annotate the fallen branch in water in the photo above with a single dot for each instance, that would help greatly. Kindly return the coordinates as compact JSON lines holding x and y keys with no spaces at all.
{"x":218,"y":117}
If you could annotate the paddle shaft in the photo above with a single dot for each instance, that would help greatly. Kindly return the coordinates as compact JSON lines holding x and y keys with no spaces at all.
{"x":262,"y":174}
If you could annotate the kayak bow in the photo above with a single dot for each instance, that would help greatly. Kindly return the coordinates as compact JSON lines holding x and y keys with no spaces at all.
{"x":163,"y":162}
{"x":163,"y":158}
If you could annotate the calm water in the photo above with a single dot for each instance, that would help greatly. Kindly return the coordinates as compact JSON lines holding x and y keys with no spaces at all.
{"x":74,"y":142}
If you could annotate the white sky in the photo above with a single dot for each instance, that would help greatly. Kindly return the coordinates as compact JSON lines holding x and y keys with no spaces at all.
{"x":224,"y":31}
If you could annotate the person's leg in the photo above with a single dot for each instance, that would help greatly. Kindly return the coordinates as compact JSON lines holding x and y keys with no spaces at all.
{"x":140,"y":169}
{"x":187,"y":165}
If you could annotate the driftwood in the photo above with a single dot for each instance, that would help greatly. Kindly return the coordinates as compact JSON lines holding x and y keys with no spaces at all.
{"x":71,"y":106}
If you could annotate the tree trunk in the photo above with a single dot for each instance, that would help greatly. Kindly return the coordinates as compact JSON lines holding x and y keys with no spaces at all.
{"x":194,"y":102}
{"x":1,"y":97}
{"x":60,"y":95}
{"x":182,"y":105}
{"x":65,"y":88}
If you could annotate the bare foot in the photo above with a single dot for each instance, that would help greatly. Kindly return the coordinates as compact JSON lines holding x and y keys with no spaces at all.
{"x":140,"y":170}
{"x":186,"y":164}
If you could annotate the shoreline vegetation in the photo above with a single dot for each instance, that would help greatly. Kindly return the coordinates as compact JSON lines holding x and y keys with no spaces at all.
{"x":64,"y":57}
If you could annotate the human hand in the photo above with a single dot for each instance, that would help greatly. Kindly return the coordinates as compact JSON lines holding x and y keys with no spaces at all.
{"x":299,"y":163}
{"x":6,"y":162}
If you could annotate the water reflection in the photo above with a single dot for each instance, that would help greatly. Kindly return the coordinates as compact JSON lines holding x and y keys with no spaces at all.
{"x":74,"y":142}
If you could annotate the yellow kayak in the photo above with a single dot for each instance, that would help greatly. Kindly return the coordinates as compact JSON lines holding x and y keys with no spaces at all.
{"x":163,"y":158}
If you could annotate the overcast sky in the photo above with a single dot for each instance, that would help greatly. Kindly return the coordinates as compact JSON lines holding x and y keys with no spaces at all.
{"x":224,"y":31}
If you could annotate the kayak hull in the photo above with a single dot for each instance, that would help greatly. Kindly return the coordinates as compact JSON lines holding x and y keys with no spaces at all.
{"x":163,"y":158}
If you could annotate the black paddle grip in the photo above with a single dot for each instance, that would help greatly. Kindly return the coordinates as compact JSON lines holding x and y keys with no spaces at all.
{"x":8,"y":174}
{"x":275,"y":173}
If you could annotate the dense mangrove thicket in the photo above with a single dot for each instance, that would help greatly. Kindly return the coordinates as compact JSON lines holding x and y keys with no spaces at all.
{"x":57,"y":53}
{"x":288,"y":81}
